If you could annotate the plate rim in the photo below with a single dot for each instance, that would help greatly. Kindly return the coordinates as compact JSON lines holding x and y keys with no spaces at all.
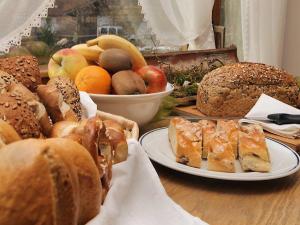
{"x":261,"y":178}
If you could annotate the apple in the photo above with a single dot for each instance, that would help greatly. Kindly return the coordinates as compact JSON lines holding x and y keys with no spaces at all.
{"x":66,"y":62}
{"x":155,"y":79}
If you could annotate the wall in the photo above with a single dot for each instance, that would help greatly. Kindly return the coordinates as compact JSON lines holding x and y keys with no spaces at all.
{"x":291,"y":55}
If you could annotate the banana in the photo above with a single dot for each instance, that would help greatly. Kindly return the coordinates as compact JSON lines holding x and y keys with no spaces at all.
{"x":114,"y":41}
{"x":90,"y":53}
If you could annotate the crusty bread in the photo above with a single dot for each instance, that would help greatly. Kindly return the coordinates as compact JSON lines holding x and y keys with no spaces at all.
{"x":186,"y":141}
{"x":231,"y":130}
{"x":115,"y":134}
{"x":69,"y":92}
{"x":61,"y":99}
{"x":54,"y":181}
{"x":94,"y":136}
{"x":36,"y":106}
{"x":232,"y":90}
{"x":253,"y":151}
{"x":18,"y":114}
{"x":24,"y":68}
{"x":220,"y":155}
{"x":7,"y":134}
{"x":5,"y":80}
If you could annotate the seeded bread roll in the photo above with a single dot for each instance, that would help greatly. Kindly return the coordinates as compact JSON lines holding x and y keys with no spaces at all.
{"x":18,"y":114}
{"x":70,"y":93}
{"x":61,"y":99}
{"x":24,"y":68}
{"x":36,"y":106}
{"x":52,"y":181}
{"x":5,"y":80}
{"x":232,"y":90}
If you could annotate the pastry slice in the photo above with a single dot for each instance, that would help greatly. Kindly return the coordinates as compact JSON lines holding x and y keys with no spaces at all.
{"x":208,"y":129}
{"x":220,"y":155}
{"x":253,"y":151}
{"x":186,"y":141}
{"x":231,"y":128}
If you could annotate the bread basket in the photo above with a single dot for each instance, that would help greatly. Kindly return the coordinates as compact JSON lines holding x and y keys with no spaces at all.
{"x":130,"y":127}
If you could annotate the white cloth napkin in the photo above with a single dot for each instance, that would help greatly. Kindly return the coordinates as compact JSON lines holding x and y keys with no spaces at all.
{"x":137,"y":197}
{"x":89,"y":107}
{"x":266,"y":105}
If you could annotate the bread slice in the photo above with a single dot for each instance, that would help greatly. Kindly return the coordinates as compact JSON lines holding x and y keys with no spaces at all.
{"x":220,"y":155}
{"x":186,"y":141}
{"x":208,"y":129}
{"x":231,"y":128}
{"x":253,"y":151}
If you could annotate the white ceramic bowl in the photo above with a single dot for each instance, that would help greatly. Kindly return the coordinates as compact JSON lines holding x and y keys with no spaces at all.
{"x":139,"y":108}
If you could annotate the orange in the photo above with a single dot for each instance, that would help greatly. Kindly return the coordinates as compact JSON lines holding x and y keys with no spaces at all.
{"x":93,"y":79}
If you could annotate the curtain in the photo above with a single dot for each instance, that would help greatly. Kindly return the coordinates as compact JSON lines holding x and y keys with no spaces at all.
{"x":178,"y":22}
{"x":263,"y":28}
{"x":233,"y":26}
{"x":18,"y":17}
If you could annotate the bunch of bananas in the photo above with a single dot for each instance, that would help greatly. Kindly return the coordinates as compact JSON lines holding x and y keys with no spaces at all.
{"x":93,"y":48}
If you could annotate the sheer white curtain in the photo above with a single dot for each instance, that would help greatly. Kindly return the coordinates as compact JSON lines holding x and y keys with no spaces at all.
{"x":181,"y":22}
{"x":263,"y":29}
{"x":18,"y":17}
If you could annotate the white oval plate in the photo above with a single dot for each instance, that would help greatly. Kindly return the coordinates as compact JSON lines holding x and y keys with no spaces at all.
{"x":284,"y":160}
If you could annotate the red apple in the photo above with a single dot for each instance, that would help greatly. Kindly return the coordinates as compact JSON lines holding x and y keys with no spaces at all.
{"x":155,"y":79}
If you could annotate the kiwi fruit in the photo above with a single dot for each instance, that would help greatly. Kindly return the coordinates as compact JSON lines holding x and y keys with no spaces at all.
{"x":127,"y":82}
{"x":114,"y":60}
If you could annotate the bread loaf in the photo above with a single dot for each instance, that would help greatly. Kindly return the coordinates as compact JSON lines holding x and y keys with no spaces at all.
{"x":53,"y":181}
{"x":232,"y":90}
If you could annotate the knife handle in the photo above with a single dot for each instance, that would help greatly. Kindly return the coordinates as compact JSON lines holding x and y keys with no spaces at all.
{"x":284,"y":118}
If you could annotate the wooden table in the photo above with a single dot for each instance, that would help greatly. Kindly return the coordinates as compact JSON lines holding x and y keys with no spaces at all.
{"x":230,"y":202}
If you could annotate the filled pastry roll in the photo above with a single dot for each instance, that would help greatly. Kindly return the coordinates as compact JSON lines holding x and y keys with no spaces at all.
{"x":231,"y":128}
{"x":253,"y":151}
{"x":186,"y":141}
{"x":208,"y":129}
{"x":220,"y":153}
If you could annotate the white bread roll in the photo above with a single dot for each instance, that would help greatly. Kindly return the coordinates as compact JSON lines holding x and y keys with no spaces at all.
{"x":52,"y":181}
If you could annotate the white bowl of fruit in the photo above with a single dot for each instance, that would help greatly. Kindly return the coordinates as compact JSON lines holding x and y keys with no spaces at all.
{"x":115,"y":75}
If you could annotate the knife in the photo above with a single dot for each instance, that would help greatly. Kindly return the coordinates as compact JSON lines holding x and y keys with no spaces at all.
{"x":277,"y":118}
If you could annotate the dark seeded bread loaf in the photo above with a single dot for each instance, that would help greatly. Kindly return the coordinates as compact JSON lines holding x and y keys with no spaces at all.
{"x":232,"y":90}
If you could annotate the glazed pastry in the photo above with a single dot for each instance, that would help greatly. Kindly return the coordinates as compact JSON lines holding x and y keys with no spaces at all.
{"x":253,"y":151}
{"x":220,"y":155}
{"x":186,"y":141}
{"x":208,"y":129}
{"x":231,"y":128}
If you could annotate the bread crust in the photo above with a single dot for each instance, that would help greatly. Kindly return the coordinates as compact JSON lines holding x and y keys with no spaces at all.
{"x":55,"y":181}
{"x":232,"y":90}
